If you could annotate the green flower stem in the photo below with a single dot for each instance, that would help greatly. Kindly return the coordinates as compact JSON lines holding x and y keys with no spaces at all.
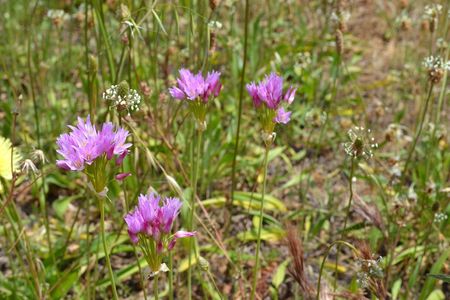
{"x":347,"y":213}
{"x":155,"y":286}
{"x":419,"y":131}
{"x":261,"y":210}
{"x":191,"y":214}
{"x":325,"y":259}
{"x":170,"y":275}
{"x":241,"y":95}
{"x":105,"y":248}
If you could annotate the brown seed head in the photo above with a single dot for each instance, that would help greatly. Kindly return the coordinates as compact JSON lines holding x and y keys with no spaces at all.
{"x":213,"y":4}
{"x":339,"y":41}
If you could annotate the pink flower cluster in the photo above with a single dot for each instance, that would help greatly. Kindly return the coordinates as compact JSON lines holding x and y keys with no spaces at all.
{"x":85,"y":144}
{"x":269,"y":93}
{"x":192,"y":87}
{"x":154,"y":221}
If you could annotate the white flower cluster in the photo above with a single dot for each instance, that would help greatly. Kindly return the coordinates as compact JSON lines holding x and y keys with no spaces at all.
{"x":436,"y":63}
{"x":58,"y":16}
{"x":369,"y":268}
{"x":341,"y":17}
{"x":361,"y":143}
{"x":56,"y":13}
{"x":130,"y":101}
{"x":431,"y":11}
{"x":440,"y":217}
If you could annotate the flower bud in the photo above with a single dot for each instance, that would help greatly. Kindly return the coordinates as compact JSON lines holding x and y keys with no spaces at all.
{"x":339,"y":42}
{"x":203,"y":263}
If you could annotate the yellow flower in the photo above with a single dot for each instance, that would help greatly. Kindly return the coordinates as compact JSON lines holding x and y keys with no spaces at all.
{"x":5,"y":159}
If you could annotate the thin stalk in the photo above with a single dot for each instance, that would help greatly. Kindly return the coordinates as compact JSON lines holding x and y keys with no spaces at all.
{"x":38,"y":134}
{"x":105,"y":248}
{"x":102,"y":27}
{"x":155,"y":286}
{"x":441,"y":95}
{"x":325,"y":259}
{"x":261,"y":210}
{"x":191,"y":215}
{"x":88,"y":250}
{"x":419,"y":131}
{"x":170,"y":275}
{"x":347,"y":213}
{"x":238,"y":129}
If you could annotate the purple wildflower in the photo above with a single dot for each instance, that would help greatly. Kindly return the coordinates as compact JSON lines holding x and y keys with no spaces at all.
{"x":135,"y":223}
{"x":178,"y":235}
{"x":283,"y":116}
{"x":155,"y":218}
{"x":170,"y":211}
{"x":82,"y":146}
{"x":270,"y":92}
{"x":122,"y":176}
{"x":196,"y":87}
{"x":268,"y":99}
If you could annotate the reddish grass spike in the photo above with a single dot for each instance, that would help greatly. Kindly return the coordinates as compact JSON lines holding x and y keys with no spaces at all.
{"x":298,"y":269}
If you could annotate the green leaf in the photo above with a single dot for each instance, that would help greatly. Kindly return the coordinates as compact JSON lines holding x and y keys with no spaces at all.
{"x":63,"y":286}
{"x":123,"y":273}
{"x":443,"y":277}
{"x":184,"y":264}
{"x":396,"y":288}
{"x":248,"y":200}
{"x":431,"y":281}
{"x":60,"y":205}
{"x":436,"y":295}
{"x":280,"y":273}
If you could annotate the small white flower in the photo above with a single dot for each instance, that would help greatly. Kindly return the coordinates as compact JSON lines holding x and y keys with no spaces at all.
{"x":431,"y":11}
{"x":440,"y":217}
{"x":361,"y":143}
{"x":129,"y":100}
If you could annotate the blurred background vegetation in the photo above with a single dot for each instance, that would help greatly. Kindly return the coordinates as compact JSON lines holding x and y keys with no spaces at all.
{"x":354,"y":62}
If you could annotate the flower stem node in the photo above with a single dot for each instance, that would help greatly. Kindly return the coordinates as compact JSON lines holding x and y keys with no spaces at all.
{"x":201,"y":126}
{"x":269,"y":138}
{"x":162,"y":269}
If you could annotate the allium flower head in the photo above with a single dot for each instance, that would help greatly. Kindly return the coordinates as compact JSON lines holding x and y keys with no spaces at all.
{"x":197,"y":90}
{"x":268,"y":99}
{"x":361,"y":143}
{"x":87,"y":149}
{"x":122,"y":97}
{"x":5,"y":159}
{"x":150,"y":223}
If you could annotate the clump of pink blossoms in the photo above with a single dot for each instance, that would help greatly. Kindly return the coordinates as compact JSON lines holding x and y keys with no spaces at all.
{"x":150,"y":225}
{"x":270,"y":102}
{"x":197,"y":90}
{"x":90,"y":150}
